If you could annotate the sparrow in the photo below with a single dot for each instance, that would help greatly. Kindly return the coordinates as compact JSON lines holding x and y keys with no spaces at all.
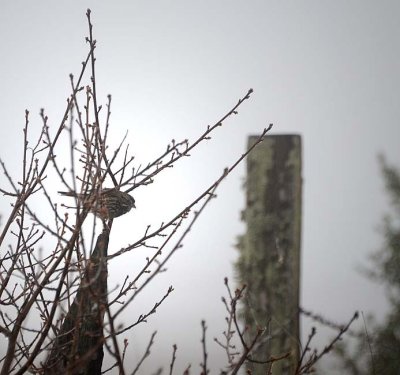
{"x":108,"y":203}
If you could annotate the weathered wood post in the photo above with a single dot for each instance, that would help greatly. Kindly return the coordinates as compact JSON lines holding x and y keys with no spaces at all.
{"x":269,"y":261}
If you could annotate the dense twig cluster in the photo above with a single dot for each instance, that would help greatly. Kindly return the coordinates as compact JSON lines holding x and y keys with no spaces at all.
{"x":235,"y":357}
{"x":55,"y":284}
{"x":310,"y":357}
{"x":55,"y":270}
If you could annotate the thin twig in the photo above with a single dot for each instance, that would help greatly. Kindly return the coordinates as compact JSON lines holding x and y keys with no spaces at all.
{"x":369,"y":344}
{"x":146,"y":353}
{"x":204,"y":369}
{"x":171,"y":366}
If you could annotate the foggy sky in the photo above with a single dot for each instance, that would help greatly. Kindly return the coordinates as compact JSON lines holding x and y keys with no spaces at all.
{"x":327,"y":70}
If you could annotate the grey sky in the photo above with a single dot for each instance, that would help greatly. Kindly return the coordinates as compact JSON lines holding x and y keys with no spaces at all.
{"x":328,"y":70}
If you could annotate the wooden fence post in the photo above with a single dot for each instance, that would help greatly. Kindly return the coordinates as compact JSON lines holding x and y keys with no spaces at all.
{"x":269,"y":261}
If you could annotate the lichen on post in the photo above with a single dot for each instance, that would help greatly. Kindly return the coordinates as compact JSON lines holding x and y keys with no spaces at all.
{"x":269,"y":261}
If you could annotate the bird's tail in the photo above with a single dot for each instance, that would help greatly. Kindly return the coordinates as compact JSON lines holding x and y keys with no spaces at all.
{"x":68,"y":193}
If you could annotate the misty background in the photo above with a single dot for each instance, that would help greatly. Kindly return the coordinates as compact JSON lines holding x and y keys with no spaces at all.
{"x":327,"y":70}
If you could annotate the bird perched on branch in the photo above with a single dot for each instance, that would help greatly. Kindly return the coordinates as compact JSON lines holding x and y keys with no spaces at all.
{"x":105,"y":204}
